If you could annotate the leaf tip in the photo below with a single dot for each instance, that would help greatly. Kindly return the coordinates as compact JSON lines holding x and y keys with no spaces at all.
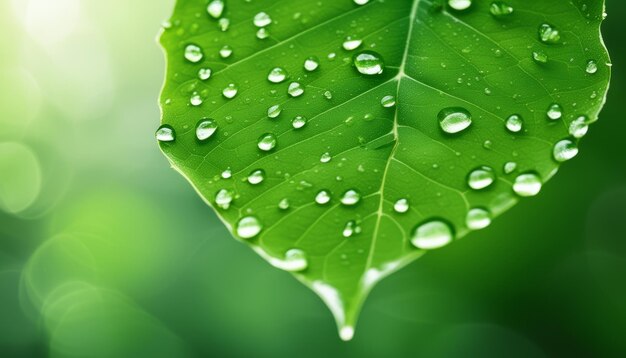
{"x":346,"y":333}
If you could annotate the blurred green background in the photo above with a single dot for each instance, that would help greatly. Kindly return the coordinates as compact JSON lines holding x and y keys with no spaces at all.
{"x":106,"y":251}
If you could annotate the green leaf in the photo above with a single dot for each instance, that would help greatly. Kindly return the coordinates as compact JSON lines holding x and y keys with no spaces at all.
{"x":474,"y":108}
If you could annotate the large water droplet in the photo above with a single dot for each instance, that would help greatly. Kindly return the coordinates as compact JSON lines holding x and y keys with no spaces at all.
{"x":369,"y":63}
{"x":262,"y":19}
{"x":565,"y":150}
{"x":454,"y":119}
{"x":432,"y":235}
{"x":549,"y":34}
{"x":477,"y":219}
{"x":514,"y":123}
{"x":351,"y":197}
{"x":267,"y":142}
{"x":277,"y":75}
{"x":205,"y":128}
{"x":527,"y":184}
{"x":165,"y":133}
{"x":248,"y":227}
{"x":193,"y":53}
{"x":481,"y":178}
{"x":215,"y":8}
{"x":579,"y":127}
{"x":361,"y":2}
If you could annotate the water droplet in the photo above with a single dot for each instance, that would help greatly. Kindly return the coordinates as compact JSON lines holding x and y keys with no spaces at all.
{"x":274,"y":111}
{"x":248,"y":227}
{"x":432,"y":235}
{"x":565,"y":150}
{"x":477,"y":219}
{"x":579,"y":127}
{"x":527,"y":184}
{"x":351,"y":197}
{"x":195,"y":100}
{"x":454,"y":119}
{"x":481,"y":178}
{"x":388,"y":101}
{"x":227,"y":174}
{"x":204,"y":74}
{"x":298,"y":122}
{"x":369,"y":63}
{"x":540,"y":57}
{"x":262,"y":33}
{"x":460,"y":5}
{"x":352,"y":228}
{"x":224,"y":198}
{"x":328,"y":95}
{"x":262,"y":19}
{"x":361,"y":2}
{"x":277,"y":75}
{"x":205,"y":129}
{"x":549,"y":34}
{"x":500,"y":9}
{"x":256,"y":177}
{"x":514,"y":123}
{"x":223,"y":24}
{"x":592,"y":67}
{"x":226,"y":51}
{"x":193,"y":53}
{"x":323,"y":197}
{"x":311,"y":63}
{"x":351,"y":43}
{"x":555,"y":111}
{"x":284,"y":204}
{"x":295,"y":89}
{"x":401,"y":206}
{"x":230,"y":91}
{"x":267,"y":142}
{"x":509,"y":167}
{"x":165,"y":133}
{"x":215,"y":8}
{"x":295,"y":260}
{"x":326,"y":157}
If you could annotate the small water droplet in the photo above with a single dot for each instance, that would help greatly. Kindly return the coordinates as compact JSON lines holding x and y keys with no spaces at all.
{"x":274,"y":111}
{"x":579,"y":127}
{"x":432,"y":235}
{"x":256,"y":177}
{"x":509,"y":167}
{"x":555,"y":111}
{"x":351,"y":43}
{"x":311,"y":63}
{"x":352,"y":228}
{"x":500,"y":9}
{"x":454,"y":119}
{"x":295,"y":89}
{"x":223,"y":24}
{"x":267,"y":142}
{"x":204,"y":74}
{"x":295,"y":261}
{"x":248,"y":227}
{"x":326,"y":157}
{"x":388,"y":101}
{"x":195,"y":100}
{"x":351,"y":197}
{"x":361,"y":2}
{"x":565,"y":150}
{"x":224,"y":198}
{"x":205,"y":129}
{"x":401,"y":206}
{"x":460,"y":5}
{"x":369,"y":63}
{"x":540,"y":56}
{"x":230,"y":91}
{"x":592,"y":67}
{"x":165,"y":133}
{"x":227,"y":174}
{"x":284,"y":204}
{"x":527,"y":184}
{"x":328,"y":95}
{"x":193,"y":53}
{"x":262,"y":33}
{"x":478,"y":218}
{"x":298,"y":122}
{"x":323,"y":197}
{"x":481,"y":178}
{"x":226,"y":51}
{"x":514,"y":123}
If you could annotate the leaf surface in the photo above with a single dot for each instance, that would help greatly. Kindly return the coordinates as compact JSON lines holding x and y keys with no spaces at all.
{"x":344,"y":173}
